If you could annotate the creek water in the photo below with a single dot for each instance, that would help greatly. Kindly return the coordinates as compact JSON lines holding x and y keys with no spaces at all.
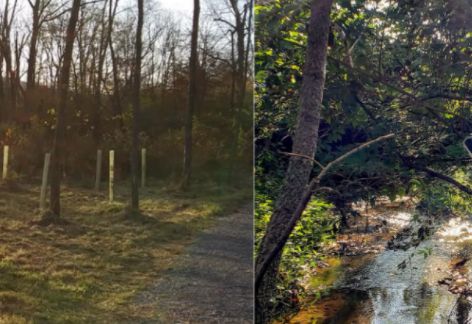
{"x":371,"y":288}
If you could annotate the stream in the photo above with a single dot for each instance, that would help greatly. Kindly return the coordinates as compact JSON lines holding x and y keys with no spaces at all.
{"x":372,"y":288}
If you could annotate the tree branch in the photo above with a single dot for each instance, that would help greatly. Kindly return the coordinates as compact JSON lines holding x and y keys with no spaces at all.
{"x":448,"y":179}
{"x":305,"y":157}
{"x":468,"y":145}
{"x":351,"y":152}
{"x":226,"y":22}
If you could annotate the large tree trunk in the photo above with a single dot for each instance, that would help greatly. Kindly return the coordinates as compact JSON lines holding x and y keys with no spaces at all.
{"x":304,"y":143}
{"x":136,"y":112}
{"x":192,"y":100}
{"x":59,"y":145}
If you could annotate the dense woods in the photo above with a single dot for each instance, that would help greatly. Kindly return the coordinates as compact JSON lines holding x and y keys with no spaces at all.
{"x":101,"y":89}
{"x":393,"y":115}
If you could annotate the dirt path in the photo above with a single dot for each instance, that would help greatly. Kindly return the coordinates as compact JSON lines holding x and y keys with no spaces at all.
{"x":212,"y":282}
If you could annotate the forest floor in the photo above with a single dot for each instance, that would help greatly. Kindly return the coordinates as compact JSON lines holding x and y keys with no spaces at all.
{"x":212,"y":282}
{"x":91,"y":268}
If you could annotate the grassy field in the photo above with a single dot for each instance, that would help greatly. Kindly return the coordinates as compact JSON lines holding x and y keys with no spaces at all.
{"x":89,"y":269}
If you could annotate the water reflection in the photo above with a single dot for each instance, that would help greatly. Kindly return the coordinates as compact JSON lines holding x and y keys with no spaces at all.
{"x":378,"y":292}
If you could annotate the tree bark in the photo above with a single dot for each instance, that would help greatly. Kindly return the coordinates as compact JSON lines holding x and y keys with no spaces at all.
{"x":136,"y":112}
{"x":248,"y":45}
{"x":192,"y":100}
{"x":117,"y":109}
{"x":304,"y":143}
{"x":5,"y":48}
{"x":30,"y":74}
{"x":59,"y":146}
{"x":2,"y":94}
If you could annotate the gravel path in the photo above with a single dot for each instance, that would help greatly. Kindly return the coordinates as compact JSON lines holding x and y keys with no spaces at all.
{"x":212,"y":282}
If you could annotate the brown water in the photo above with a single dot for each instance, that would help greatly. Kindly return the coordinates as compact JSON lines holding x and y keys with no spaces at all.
{"x":372,"y":289}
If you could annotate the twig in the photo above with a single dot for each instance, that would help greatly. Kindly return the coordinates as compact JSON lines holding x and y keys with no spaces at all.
{"x":305,"y":157}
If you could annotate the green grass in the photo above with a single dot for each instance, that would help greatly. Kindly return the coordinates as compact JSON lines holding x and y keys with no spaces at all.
{"x":90,"y":269}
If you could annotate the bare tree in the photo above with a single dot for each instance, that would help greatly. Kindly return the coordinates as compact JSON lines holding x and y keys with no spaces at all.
{"x":40,"y":16}
{"x":192,"y":93}
{"x":136,"y":111}
{"x":15,"y":75}
{"x":5,"y":48}
{"x":59,"y":146}
{"x":105,"y":36}
{"x":239,"y":29}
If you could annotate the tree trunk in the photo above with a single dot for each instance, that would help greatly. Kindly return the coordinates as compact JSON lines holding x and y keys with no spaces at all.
{"x":105,"y":36}
{"x":192,"y":92}
{"x":304,"y":143}
{"x":30,"y":74}
{"x":9,"y":76}
{"x":239,"y":76}
{"x":16,"y":84}
{"x":2,"y":93}
{"x":117,"y":109}
{"x":136,"y":112}
{"x":248,"y":45}
{"x":59,"y":146}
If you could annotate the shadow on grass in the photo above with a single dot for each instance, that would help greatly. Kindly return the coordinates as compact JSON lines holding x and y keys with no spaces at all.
{"x":36,"y":298}
{"x":88,"y":268}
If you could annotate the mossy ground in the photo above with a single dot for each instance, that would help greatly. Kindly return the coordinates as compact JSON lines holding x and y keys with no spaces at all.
{"x":89,"y":268}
